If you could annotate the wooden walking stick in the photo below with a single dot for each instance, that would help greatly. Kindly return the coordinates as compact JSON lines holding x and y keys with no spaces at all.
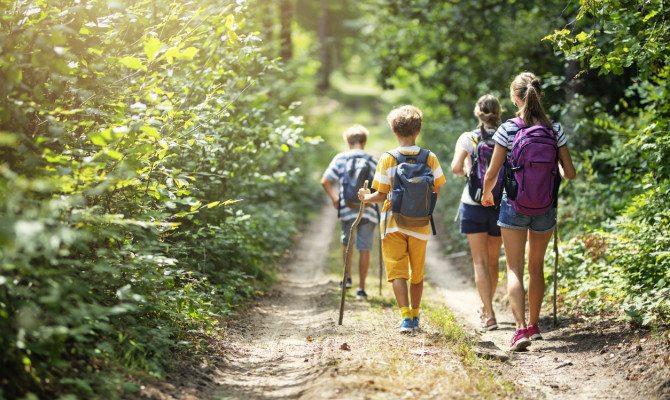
{"x":347,"y":258}
{"x":555,"y":266}
{"x":381,"y":259}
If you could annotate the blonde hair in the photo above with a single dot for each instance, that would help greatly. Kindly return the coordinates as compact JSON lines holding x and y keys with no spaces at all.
{"x":488,"y":110}
{"x":526,"y":87}
{"x":405,"y":121}
{"x":356,"y":134}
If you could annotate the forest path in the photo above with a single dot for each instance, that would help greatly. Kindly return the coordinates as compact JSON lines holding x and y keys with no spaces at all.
{"x":573,"y":361}
{"x":288,"y":345}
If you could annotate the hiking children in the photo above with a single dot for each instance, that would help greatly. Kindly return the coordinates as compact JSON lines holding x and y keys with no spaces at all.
{"x":471,"y":158}
{"x":351,"y":169}
{"x":536,"y":152}
{"x":407,"y":181}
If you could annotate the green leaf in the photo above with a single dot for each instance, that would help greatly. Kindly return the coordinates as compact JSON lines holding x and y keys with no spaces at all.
{"x":132,"y":63}
{"x":230,"y":21}
{"x":151,"y":47}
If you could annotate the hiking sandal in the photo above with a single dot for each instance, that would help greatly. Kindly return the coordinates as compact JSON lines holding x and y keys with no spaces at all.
{"x":490,"y":324}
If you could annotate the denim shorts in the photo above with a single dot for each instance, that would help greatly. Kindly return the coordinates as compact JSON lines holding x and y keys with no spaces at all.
{"x":364,"y":232}
{"x":479,"y":219}
{"x":509,"y":218}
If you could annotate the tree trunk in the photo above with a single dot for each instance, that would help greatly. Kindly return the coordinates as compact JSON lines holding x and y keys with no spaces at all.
{"x":286,"y":17}
{"x":324,"y":71}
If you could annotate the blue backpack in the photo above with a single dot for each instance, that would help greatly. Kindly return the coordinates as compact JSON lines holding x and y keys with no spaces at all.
{"x":357,"y":171}
{"x":412,"y":198}
{"x":481,"y":159}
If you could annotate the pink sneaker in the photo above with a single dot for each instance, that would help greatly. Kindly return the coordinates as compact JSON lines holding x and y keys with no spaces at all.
{"x":534,"y":332}
{"x":520,"y":340}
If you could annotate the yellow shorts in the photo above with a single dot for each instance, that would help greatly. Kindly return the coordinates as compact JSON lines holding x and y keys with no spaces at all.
{"x":404,"y":257}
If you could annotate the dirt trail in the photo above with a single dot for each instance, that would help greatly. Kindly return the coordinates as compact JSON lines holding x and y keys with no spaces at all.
{"x":585,"y":360}
{"x":287,"y":345}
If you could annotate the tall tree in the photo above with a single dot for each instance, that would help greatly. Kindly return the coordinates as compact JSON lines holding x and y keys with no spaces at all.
{"x":286,"y":18}
{"x":324,"y":48}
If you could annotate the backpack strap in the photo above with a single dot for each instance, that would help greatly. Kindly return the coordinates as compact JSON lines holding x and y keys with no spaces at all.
{"x":421,"y":157}
{"x":517,"y":121}
{"x":399,"y":157}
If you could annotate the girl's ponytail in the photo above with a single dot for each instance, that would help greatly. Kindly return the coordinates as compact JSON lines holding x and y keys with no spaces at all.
{"x":526,"y":87}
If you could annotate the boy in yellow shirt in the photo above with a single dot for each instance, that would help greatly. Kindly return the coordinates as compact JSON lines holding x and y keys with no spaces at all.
{"x":403,"y":246}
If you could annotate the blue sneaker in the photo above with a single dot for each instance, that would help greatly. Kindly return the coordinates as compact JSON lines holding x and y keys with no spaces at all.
{"x":361,"y":295}
{"x":407,"y":326}
{"x":415,"y":321}
{"x":348,"y":283}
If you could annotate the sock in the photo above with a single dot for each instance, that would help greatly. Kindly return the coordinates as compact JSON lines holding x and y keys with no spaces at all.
{"x":415,"y":312}
{"x":406,"y":312}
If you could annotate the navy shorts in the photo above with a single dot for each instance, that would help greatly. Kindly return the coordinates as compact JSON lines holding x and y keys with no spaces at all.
{"x":364,"y":232}
{"x":509,"y":218}
{"x":479,"y":219}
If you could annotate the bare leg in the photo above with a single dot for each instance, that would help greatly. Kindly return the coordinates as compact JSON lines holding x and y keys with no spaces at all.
{"x":400,"y":291}
{"x":537,"y":246}
{"x":415,"y":293}
{"x":515,"y":246}
{"x":480,"y":257}
{"x":494,"y":244}
{"x":363,"y":266}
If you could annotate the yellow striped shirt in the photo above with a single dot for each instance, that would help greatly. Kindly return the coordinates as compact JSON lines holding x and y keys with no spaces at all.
{"x":383,"y":183}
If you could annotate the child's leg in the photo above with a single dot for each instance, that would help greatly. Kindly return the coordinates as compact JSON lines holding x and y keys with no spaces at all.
{"x":514,"y":241}
{"x":394,"y":252}
{"x":415,"y":293}
{"x":494,"y":245}
{"x":364,"y":241}
{"x":480,"y":257}
{"x":417,"y":259}
{"x":400,"y":292}
{"x":345,"y":227}
{"x":537,"y":247}
{"x":363,"y":266}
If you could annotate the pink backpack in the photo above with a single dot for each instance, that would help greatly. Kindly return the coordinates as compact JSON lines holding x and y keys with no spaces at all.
{"x":532,"y":176}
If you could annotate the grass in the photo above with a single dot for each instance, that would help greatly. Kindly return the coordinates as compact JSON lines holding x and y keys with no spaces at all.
{"x":440,"y":362}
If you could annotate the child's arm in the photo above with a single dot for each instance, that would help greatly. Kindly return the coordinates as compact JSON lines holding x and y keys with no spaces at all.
{"x":461,"y":165}
{"x":497,"y":160}
{"x":364,"y":195}
{"x":325,"y":182}
{"x":565,"y":165}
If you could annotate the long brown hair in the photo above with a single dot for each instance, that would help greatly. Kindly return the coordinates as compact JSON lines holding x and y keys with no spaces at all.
{"x":526,"y":87}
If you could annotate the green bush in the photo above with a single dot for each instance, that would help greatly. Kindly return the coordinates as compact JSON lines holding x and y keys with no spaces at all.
{"x":143,"y":164}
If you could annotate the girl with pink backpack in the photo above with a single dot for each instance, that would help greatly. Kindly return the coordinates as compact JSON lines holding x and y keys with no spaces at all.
{"x":534,"y":151}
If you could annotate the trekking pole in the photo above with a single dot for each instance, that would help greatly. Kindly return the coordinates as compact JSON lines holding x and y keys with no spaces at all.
{"x":347,"y":260}
{"x":555,"y":267}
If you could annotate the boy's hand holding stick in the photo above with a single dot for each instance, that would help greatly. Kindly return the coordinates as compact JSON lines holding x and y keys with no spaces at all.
{"x":347,"y":259}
